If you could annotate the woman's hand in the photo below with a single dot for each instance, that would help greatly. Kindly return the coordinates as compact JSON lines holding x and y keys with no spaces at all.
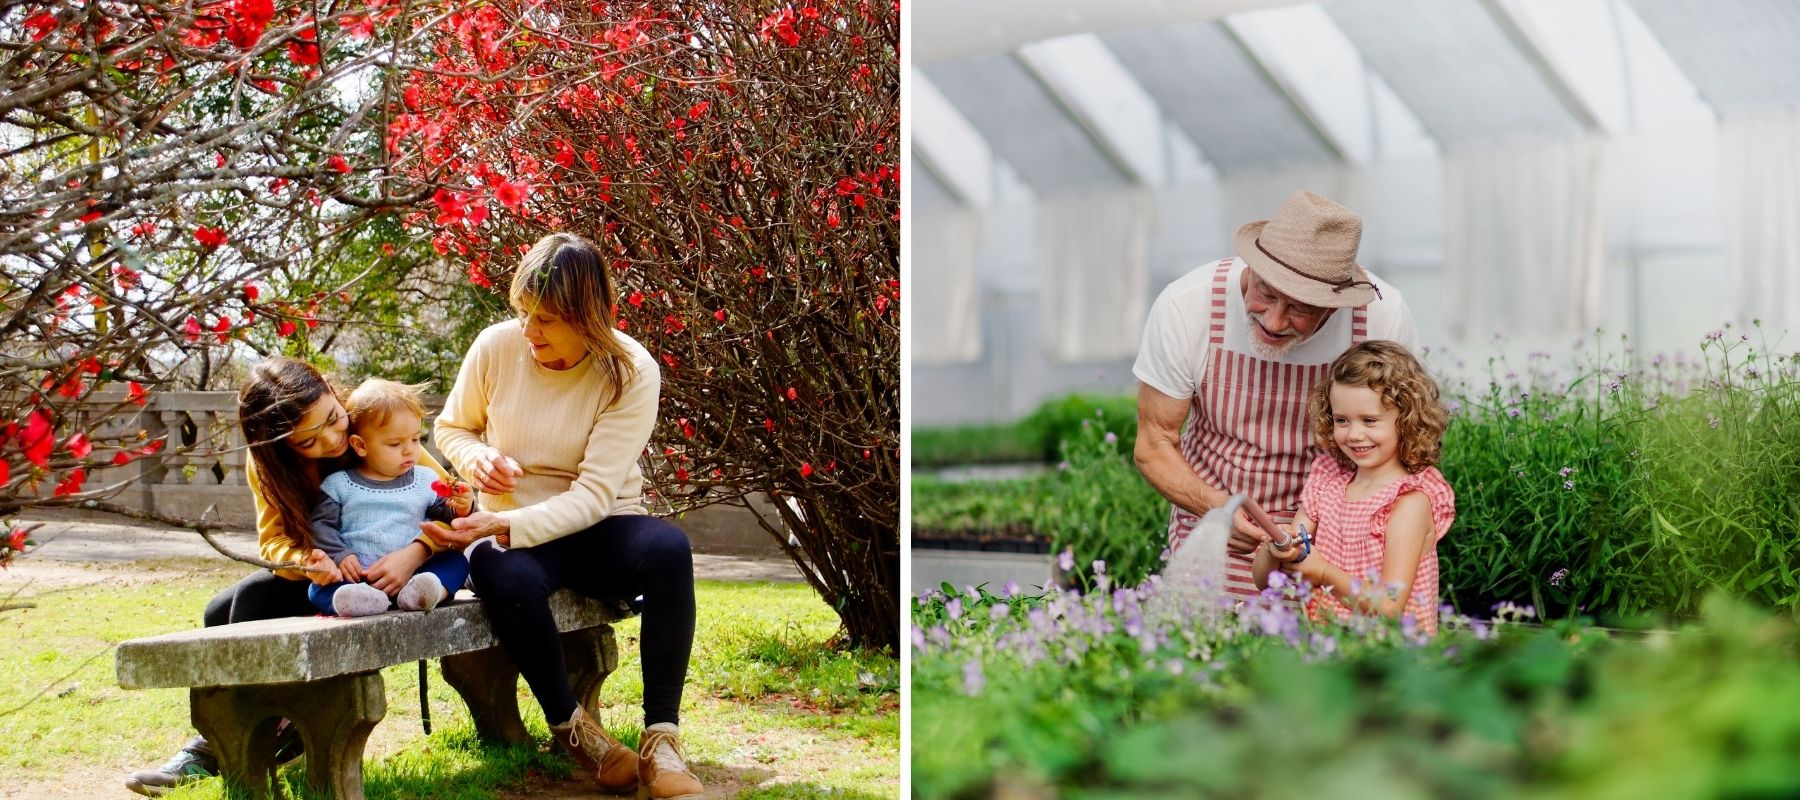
{"x":465,"y":530}
{"x":391,"y":572}
{"x":495,"y":473}
{"x":323,"y":572}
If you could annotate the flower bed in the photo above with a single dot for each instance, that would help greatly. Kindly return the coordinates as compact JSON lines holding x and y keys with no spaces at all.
{"x":1102,"y":695}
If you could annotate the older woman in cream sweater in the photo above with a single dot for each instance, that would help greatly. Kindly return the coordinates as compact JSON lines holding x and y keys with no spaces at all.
{"x":548,"y":417}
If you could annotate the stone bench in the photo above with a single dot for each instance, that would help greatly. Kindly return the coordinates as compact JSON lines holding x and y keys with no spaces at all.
{"x":324,"y":675}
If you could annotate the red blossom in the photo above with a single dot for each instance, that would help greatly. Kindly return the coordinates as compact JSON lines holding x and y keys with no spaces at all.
{"x":336,"y":163}
{"x":121,"y":458}
{"x":442,"y":489}
{"x":145,"y":228}
{"x":41,"y":25}
{"x":303,"y":49}
{"x":209,"y":238}
{"x":79,"y":446}
{"x":155,"y":446}
{"x":285,"y":328}
{"x":223,"y":329}
{"x":36,"y":440}
{"x":792,"y":394}
{"x":636,"y":299}
{"x":134,"y":392}
{"x":479,"y":277}
{"x":191,"y":329}
{"x":719,"y":315}
{"x":511,"y":195}
{"x":72,"y":484}
{"x":806,"y":469}
{"x":358,"y":26}
{"x":250,"y":292}
{"x":18,"y":539}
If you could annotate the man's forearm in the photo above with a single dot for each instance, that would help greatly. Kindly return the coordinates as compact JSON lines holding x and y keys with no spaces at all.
{"x":1170,"y":475}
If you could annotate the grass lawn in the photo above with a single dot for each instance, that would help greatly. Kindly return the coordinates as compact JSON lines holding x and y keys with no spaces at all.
{"x":771,"y":710}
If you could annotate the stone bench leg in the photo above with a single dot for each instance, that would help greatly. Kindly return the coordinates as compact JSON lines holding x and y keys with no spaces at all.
{"x":334,"y":716}
{"x":489,"y":683}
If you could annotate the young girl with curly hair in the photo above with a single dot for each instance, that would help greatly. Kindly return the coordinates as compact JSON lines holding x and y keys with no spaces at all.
{"x":1374,"y":506}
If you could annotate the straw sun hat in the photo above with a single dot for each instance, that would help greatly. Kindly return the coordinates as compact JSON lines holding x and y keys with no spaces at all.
{"x":1308,"y":252}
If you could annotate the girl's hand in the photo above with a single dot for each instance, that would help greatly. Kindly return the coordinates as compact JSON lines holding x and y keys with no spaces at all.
{"x":391,"y":572}
{"x":324,"y":572}
{"x":495,"y":473}
{"x":352,"y":568}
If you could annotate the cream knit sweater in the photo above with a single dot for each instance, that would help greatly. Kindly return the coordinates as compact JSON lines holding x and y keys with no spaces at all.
{"x":580,"y":459}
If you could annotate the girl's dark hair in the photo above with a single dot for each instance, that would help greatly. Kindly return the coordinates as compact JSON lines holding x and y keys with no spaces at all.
{"x":563,"y":274}
{"x":276,"y":396}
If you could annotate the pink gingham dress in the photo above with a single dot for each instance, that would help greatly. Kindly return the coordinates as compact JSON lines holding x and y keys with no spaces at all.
{"x":1351,"y":534}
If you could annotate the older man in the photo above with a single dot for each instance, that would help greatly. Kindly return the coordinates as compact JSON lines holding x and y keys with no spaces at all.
{"x":1234,"y":347}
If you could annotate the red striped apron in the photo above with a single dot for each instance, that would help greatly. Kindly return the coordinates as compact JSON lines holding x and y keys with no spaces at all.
{"x":1248,"y":430}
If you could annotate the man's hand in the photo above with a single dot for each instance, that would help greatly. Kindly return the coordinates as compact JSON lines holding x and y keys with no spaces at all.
{"x":391,"y":572}
{"x":495,"y":473}
{"x":326,"y":573}
{"x":1246,"y":536}
{"x":352,"y":568}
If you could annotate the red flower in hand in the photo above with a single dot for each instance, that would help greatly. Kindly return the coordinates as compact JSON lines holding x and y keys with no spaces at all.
{"x":442,"y":489}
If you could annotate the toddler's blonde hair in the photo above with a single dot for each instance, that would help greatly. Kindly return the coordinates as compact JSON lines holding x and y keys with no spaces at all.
{"x":377,"y":400}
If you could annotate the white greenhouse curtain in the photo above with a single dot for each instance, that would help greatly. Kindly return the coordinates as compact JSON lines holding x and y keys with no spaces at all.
{"x":943,"y":290}
{"x":1759,"y":174}
{"x":1093,"y":252}
{"x":1524,"y":238}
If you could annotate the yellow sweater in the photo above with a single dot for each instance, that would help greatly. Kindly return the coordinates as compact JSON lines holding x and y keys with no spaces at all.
{"x":272,"y":537}
{"x":580,"y":457}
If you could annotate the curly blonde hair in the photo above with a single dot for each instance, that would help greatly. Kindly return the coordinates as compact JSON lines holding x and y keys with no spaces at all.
{"x":1387,"y":369}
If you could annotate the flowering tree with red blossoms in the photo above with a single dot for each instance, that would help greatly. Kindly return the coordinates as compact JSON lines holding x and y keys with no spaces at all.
{"x":737,"y":162}
{"x":167,"y":171}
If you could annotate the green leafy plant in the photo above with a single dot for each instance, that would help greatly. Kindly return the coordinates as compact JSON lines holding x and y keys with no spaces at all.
{"x":1099,"y":506}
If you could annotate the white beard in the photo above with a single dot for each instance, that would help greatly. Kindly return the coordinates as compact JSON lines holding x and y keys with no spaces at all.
{"x":1270,"y":352}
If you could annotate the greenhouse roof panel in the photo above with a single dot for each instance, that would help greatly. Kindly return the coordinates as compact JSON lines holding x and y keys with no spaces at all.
{"x":1215,"y":91}
{"x":1454,"y":65}
{"x":1741,"y":55}
{"x":1024,"y":123}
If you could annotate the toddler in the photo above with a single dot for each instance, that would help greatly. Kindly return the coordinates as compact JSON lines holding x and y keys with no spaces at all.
{"x":372,"y":510}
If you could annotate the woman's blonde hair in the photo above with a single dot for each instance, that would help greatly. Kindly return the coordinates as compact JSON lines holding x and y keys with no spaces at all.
{"x":563,"y":275}
{"x":1387,"y":369}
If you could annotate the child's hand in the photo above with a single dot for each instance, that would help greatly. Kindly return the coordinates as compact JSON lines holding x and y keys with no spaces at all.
{"x":324,"y":572}
{"x":463,"y":499}
{"x":352,"y":568}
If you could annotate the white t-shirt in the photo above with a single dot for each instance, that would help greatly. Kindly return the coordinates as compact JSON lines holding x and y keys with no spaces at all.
{"x":1172,"y":359}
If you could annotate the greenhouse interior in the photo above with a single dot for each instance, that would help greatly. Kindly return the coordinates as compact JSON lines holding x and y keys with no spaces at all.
{"x":1528,"y":173}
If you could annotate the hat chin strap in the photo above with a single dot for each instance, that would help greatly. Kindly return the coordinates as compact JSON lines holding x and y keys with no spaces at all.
{"x":1336,"y":286}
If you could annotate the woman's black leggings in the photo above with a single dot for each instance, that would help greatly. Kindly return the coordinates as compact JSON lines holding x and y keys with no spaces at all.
{"x":620,"y":557}
{"x":261,"y":595}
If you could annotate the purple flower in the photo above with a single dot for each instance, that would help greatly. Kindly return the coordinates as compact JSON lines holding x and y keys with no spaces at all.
{"x":1568,"y":486}
{"x":1565,"y":471}
{"x":953,"y":609}
{"x":1066,"y":560}
{"x":1513,"y":412}
{"x":973,"y":682}
{"x":918,"y":638}
{"x":1556,"y":578}
{"x":1010,"y":590}
{"x":1099,"y":567}
{"x":1112,"y":438}
{"x":999,"y":611}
